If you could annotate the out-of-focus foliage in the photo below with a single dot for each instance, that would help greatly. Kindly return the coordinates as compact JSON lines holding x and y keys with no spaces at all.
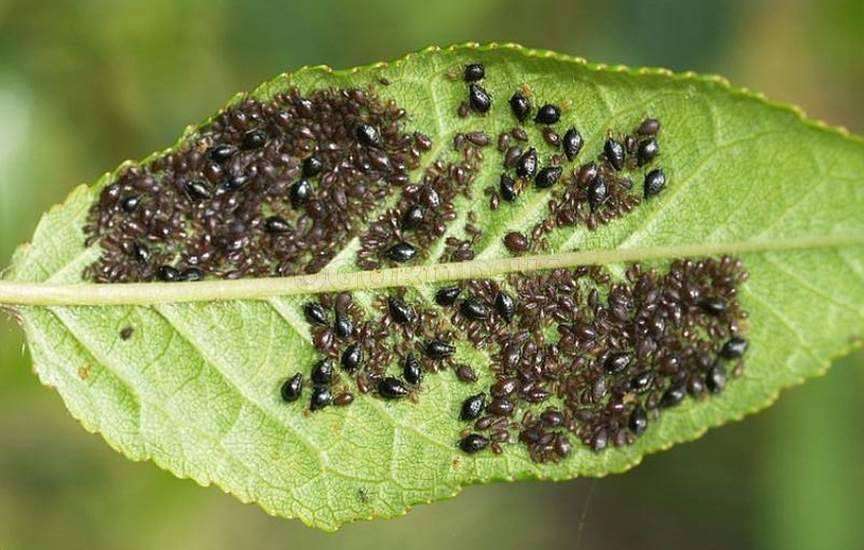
{"x":85,"y":83}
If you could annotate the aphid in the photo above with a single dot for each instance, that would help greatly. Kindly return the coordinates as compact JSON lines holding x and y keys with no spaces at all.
{"x":617,"y":362}
{"x":321,"y":397}
{"x":516,"y":242}
{"x":198,"y":190}
{"x":401,"y":252}
{"x":129,"y":204}
{"x":466,"y":374}
{"x":505,"y":306}
{"x":526,"y":166}
{"x":447,"y":296}
{"x":500,"y":406}
{"x":322,"y":372}
{"x":638,"y":422}
{"x":352,"y":357}
{"x":734,"y":348}
{"x":474,"y":72}
{"x":300,"y":192}
{"x":222,"y":152}
{"x":473,"y":443}
{"x":614,"y":153}
{"x":473,"y":308}
{"x":343,"y":327}
{"x":411,"y":370}
{"x":649,"y":127}
{"x":673,"y":396}
{"x":713,"y":306}
{"x":479,"y":98}
{"x":254,"y":139}
{"x":312,"y":166}
{"x":572,"y":143}
{"x":413,"y":217}
{"x":641,"y":381}
{"x":392,"y":388}
{"x":168,"y":274}
{"x":521,"y":106}
{"x":401,"y":312}
{"x":598,"y":192}
{"x":438,"y":349}
{"x":472,"y":407}
{"x":551,"y":137}
{"x":192,"y":274}
{"x":292,"y":388}
{"x":548,"y":114}
{"x":315,"y":314}
{"x":507,"y":188}
{"x":368,"y":135}
{"x":715,"y":378}
{"x":234,"y":183}
{"x":548,"y":176}
{"x":276,"y":224}
{"x":647,"y":151}
{"x":126,"y":333}
{"x":655,"y":181}
{"x":343,"y":399}
{"x":480,"y":139}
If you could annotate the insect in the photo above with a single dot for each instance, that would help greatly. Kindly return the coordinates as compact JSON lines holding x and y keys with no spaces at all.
{"x":572,"y":143}
{"x":655,"y":181}
{"x":614,"y":153}
{"x":401,"y":252}
{"x":520,"y":106}
{"x":315,"y":313}
{"x":548,"y":176}
{"x":447,"y":296}
{"x":474,"y":72}
{"x":472,"y":407}
{"x":548,"y":114}
{"x":392,"y":388}
{"x":352,"y":357}
{"x":479,"y":99}
{"x":292,"y":388}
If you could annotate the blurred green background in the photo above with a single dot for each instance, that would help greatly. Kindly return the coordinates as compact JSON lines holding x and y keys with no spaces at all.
{"x":87,"y":83}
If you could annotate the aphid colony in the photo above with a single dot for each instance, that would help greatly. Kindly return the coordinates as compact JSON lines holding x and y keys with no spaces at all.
{"x":266,"y":189}
{"x":575,"y":354}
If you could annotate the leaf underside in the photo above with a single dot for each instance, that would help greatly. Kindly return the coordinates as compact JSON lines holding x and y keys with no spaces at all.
{"x":195,"y":386}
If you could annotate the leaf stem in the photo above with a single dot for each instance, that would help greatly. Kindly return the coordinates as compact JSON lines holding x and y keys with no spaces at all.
{"x":90,"y":294}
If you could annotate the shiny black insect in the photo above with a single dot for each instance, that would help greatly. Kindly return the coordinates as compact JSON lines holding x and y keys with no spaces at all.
{"x":647,"y":151}
{"x":638,"y":421}
{"x":168,"y":274}
{"x":191,"y":275}
{"x":321,"y":397}
{"x":734,"y":348}
{"x":473,"y":443}
{"x":234,"y":183}
{"x":130,"y":204}
{"x":392,"y":388}
{"x":617,"y":362}
{"x":438,"y":349}
{"x":400,"y":312}
{"x":472,"y":308}
{"x":300,"y":192}
{"x":521,"y":106}
{"x":548,"y":176}
{"x":312,"y":166}
{"x":413,"y":217}
{"x":474,"y":72}
{"x":343,"y":327}
{"x":715,"y":378}
{"x":526,"y":166}
{"x":573,"y":143}
{"x":126,"y":333}
{"x":598,"y":192}
{"x":472,"y":407}
{"x":222,"y":152}
{"x":276,"y":224}
{"x":649,"y":127}
{"x":447,"y":296}
{"x":507,"y":188}
{"x":197,"y":190}
{"x":479,"y":99}
{"x":713,"y":306}
{"x":673,"y":396}
{"x":315,"y":313}
{"x":548,"y":114}
{"x":322,"y":372}
{"x":655,"y":181}
{"x":292,"y":388}
{"x":352,"y":357}
{"x":411,"y":370}
{"x":254,"y":139}
{"x":614,"y":153}
{"x":401,"y":252}
{"x":368,"y":135}
{"x":505,"y":306}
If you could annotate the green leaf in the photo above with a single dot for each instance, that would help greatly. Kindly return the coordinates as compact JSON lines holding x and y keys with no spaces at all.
{"x":195,"y":388}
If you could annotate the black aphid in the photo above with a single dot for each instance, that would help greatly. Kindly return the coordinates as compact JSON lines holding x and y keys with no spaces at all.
{"x":617,"y":362}
{"x":438,"y":349}
{"x":292,"y":388}
{"x":473,"y":443}
{"x":168,"y":274}
{"x":641,"y":381}
{"x":614,"y":153}
{"x":505,"y":306}
{"x":479,"y":98}
{"x":368,"y":135}
{"x":473,"y":308}
{"x":526,"y":166}
{"x":647,"y":151}
{"x":638,"y":422}
{"x":392,"y":388}
{"x":352,"y":357}
{"x":507,"y":188}
{"x":234,"y":183}
{"x":713,"y":306}
{"x":411,"y":369}
{"x":548,"y":176}
{"x":322,"y":372}
{"x":129,"y":204}
{"x":521,"y":106}
{"x":312,"y":166}
{"x":198,"y":190}
{"x":192,"y":274}
{"x":548,"y":114}
{"x":447,"y":296}
{"x":321,"y":397}
{"x":516,"y":242}
{"x":572,"y":143}
{"x":413,"y":217}
{"x":598,"y":192}
{"x":221,"y":153}
{"x":472,"y":407}
{"x":734,"y":348}
{"x":126,"y":333}
{"x":254,"y":139}
{"x":500,"y":406}
{"x":649,"y":127}
{"x":276,"y":224}
{"x":655,"y":181}
{"x":141,"y":253}
{"x":715,"y":378}
{"x":300,"y":192}
{"x":401,"y":252}
{"x":673,"y":396}
{"x":474,"y":72}
{"x":401,"y":312}
{"x":315,"y":314}
{"x":343,"y":327}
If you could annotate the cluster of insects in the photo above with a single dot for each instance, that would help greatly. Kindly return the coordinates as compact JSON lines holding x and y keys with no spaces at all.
{"x":266,"y":189}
